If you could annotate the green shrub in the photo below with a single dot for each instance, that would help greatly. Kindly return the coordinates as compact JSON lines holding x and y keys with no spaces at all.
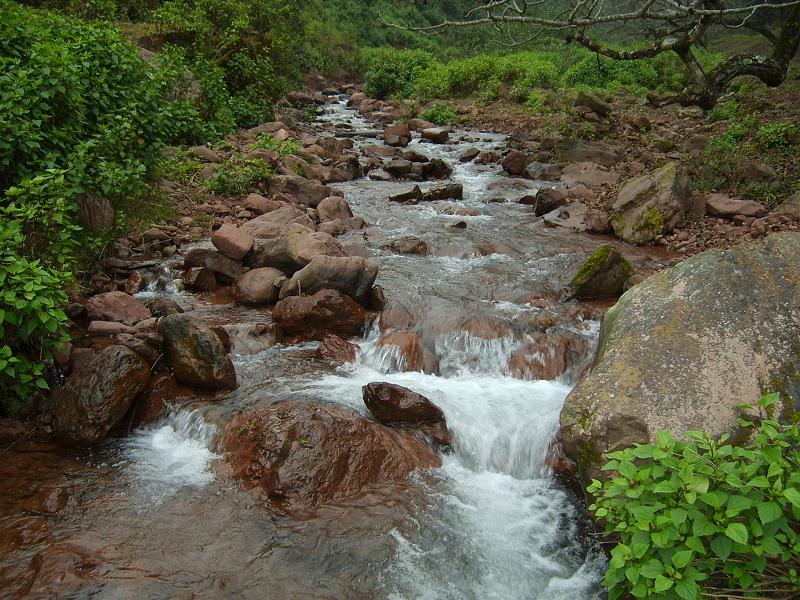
{"x":237,"y":177}
{"x":440,"y":113}
{"x":393,"y":73}
{"x":778,"y":135}
{"x":265,"y":141}
{"x":703,"y":517}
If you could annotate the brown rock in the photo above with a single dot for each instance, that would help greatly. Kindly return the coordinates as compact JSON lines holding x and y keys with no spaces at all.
{"x":335,"y":351}
{"x":63,"y":570}
{"x":116,"y":306}
{"x":304,"y":191}
{"x":135,"y":283}
{"x":395,"y":405}
{"x":95,"y":213}
{"x":351,"y":275}
{"x":407,"y":245}
{"x":721,"y":205}
{"x":233,"y":242}
{"x":311,"y":317}
{"x":276,"y":222}
{"x":260,"y":205}
{"x":200,"y":278}
{"x":397,"y":135}
{"x":514,"y":162}
{"x":96,"y":397}
{"x":259,"y":286}
{"x":437,"y":135}
{"x":47,"y":501}
{"x":205,"y":153}
{"x":414,"y":355}
{"x":303,"y":455}
{"x":223,"y":266}
{"x":334,"y":207}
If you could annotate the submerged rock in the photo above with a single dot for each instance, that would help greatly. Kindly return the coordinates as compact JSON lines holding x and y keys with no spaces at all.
{"x":198,"y":356}
{"x":683,"y":348}
{"x":97,"y":396}
{"x":396,"y":405}
{"x":603,"y":275}
{"x":304,"y":455}
{"x":116,"y":306}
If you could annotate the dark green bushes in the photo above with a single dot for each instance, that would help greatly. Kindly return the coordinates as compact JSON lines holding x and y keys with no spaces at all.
{"x":702,"y":517}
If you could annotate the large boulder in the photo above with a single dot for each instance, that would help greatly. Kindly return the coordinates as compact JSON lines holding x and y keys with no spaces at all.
{"x":651,"y":205}
{"x":198,"y":356}
{"x":572,"y":150}
{"x":98,"y":395}
{"x":116,"y":306}
{"x":303,"y":455}
{"x":392,"y":404}
{"x":721,"y":205}
{"x":351,"y":275}
{"x":682,"y":349}
{"x":303,"y":244}
{"x":311,"y":317}
{"x":225,"y":267}
{"x":334,"y":207}
{"x":233,"y":242}
{"x":514,"y":162}
{"x":397,"y":135}
{"x":276,"y":222}
{"x":304,"y":191}
{"x":603,"y":275}
{"x":259,"y":286}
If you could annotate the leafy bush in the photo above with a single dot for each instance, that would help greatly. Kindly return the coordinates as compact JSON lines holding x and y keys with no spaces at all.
{"x":265,"y":141}
{"x":393,"y":73}
{"x":704,"y":516}
{"x":440,"y":114}
{"x":236,"y":177}
{"x":779,"y":135}
{"x":37,"y":244}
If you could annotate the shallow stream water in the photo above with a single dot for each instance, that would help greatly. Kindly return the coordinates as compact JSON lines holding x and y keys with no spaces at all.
{"x":161,"y":518}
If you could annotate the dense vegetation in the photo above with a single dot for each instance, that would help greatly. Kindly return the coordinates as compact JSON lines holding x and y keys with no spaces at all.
{"x":703,"y":517}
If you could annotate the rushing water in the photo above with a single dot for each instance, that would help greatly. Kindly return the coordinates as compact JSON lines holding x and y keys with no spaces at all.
{"x":162,"y":519}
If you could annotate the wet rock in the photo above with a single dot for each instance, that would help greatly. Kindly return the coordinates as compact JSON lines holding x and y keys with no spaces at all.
{"x":351,"y":275}
{"x":598,"y":105}
{"x":205,"y":153}
{"x":303,"y":245}
{"x":488,"y":158}
{"x":276,"y":223}
{"x":312,"y":317}
{"x":260,"y":205}
{"x":304,"y":455}
{"x":233,"y":242}
{"x":334,"y":207}
{"x":579,"y":217}
{"x":335,"y":351}
{"x":407,"y":245}
{"x":116,"y":306}
{"x":47,"y":501}
{"x":161,"y":306}
{"x":547,"y":200}
{"x":436,"y":168}
{"x":682,"y":349}
{"x":135,"y":283}
{"x":721,"y":205}
{"x":259,"y":286}
{"x":98,"y":395}
{"x":377,"y":298}
{"x":200,"y":279}
{"x":572,"y":150}
{"x":412,"y":196}
{"x":412,"y":352}
{"x":437,"y":135}
{"x":548,"y":355}
{"x":392,"y":404}
{"x":223,"y":266}
{"x":11,"y":430}
{"x":651,"y":205}
{"x":64,"y":570}
{"x":304,"y":191}
{"x":399,"y":167}
{"x":450,"y":191}
{"x":420,"y":124}
{"x":543,"y":171}
{"x":198,"y":356}
{"x":148,"y":353}
{"x":514,"y":162}
{"x":603,"y":275}
{"x":397,"y":135}
{"x":469,"y":155}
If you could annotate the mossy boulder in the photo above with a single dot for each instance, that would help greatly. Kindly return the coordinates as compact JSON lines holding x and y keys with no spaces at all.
{"x":603,"y":275}
{"x":682,"y":349}
{"x":651,"y":205}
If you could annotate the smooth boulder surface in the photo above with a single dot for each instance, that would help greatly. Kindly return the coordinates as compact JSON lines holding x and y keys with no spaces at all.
{"x":259,"y":286}
{"x":392,"y":404}
{"x":116,"y":306}
{"x":721,"y":205}
{"x":233,"y":242}
{"x":276,"y":222}
{"x":98,"y":395}
{"x":351,"y":275}
{"x":682,"y":349}
{"x":602,"y":275}
{"x":311,"y":317}
{"x":334,"y":207}
{"x":304,"y":244}
{"x":198,"y":356}
{"x":304,"y":191}
{"x":651,"y":205}
{"x":304,"y":455}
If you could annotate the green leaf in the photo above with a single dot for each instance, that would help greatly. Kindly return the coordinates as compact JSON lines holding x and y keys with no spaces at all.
{"x":687,"y":589}
{"x":662,"y":583}
{"x":682,"y":558}
{"x":664,"y":439}
{"x":769,"y":512}
{"x":722,"y":546}
{"x":652,"y":569}
{"x":793,"y":496}
{"x":737,"y":504}
{"x":737,"y":532}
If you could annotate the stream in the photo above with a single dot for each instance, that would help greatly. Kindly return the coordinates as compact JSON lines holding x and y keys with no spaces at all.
{"x":162,"y":518}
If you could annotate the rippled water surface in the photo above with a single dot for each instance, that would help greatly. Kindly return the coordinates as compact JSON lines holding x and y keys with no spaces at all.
{"x":161,"y":518}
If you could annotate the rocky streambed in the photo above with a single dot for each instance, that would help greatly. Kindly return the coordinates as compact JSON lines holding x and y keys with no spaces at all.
{"x":302,"y":476}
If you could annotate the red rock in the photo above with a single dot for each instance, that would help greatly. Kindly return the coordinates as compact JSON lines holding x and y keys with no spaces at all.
{"x":200,"y":278}
{"x":311,"y":317}
{"x":135,"y":283}
{"x":63,"y":570}
{"x":437,"y":135}
{"x":721,"y":205}
{"x":334,"y":207}
{"x":47,"y":501}
{"x":116,"y":306}
{"x":394,"y":405}
{"x":547,"y":356}
{"x":233,"y":242}
{"x":303,"y":455}
{"x":407,"y":245}
{"x":397,"y":135}
{"x":259,"y":286}
{"x":335,"y":351}
{"x":260,"y":205}
{"x":415,"y":356}
{"x":514,"y":162}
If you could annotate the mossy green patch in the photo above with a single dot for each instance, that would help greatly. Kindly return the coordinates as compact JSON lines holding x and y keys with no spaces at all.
{"x":589,"y":268}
